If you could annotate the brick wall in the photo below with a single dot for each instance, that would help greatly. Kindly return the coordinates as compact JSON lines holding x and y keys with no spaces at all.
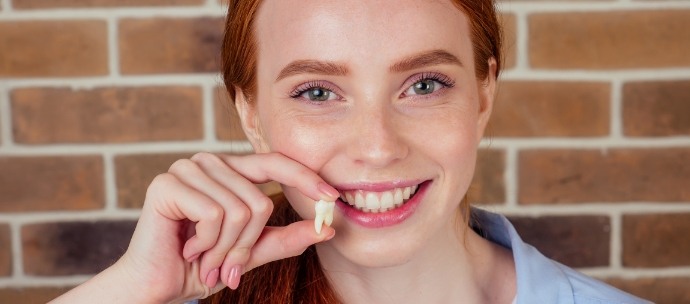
{"x":589,"y":149}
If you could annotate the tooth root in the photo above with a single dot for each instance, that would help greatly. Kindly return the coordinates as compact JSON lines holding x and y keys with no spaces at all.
{"x":320,"y":209}
{"x":328,"y":219}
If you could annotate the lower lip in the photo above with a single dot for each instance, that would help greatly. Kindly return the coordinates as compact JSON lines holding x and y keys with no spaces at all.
{"x":384,"y":219}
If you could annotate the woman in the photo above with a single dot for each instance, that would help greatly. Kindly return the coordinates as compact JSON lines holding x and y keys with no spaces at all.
{"x":377,"y":105}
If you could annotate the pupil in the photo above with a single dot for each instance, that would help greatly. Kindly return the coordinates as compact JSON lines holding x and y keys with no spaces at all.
{"x":424,"y":87}
{"x":318,"y":94}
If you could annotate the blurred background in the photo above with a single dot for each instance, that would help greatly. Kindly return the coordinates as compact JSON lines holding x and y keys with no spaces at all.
{"x":588,"y":150}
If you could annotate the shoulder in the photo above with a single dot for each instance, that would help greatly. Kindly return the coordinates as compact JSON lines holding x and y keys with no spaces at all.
{"x":540,"y":279}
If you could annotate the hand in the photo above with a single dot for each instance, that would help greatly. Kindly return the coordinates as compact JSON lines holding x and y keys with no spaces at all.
{"x":203,"y":224}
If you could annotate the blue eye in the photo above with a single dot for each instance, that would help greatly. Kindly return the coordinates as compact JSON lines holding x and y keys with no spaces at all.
{"x":315,"y":91}
{"x":428,"y":83}
{"x":318,"y":94}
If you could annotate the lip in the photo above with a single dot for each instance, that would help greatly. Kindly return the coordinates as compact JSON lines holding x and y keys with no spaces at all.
{"x":388,"y":218}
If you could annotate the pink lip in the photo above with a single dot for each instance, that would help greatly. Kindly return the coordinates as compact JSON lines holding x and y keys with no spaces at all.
{"x":388,"y":218}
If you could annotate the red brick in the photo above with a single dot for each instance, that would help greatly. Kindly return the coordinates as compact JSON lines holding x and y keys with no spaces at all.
{"x":163,"y":45}
{"x":228,"y":126}
{"x":71,"y":248}
{"x":53,"y":48}
{"x":671,"y":290}
{"x":117,"y":115}
{"x":51,"y":183}
{"x":5,"y":252}
{"x":656,"y":240}
{"x":576,"y":241}
{"x":658,"y":108}
{"x":41,"y":4}
{"x":488,"y":186}
{"x":547,"y":108}
{"x":614,"y":175}
{"x":610,"y":40}
{"x":31,"y":295}
{"x":134,"y":173}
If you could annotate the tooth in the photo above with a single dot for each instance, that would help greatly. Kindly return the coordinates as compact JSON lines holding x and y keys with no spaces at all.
{"x":386,"y":200}
{"x":328,"y":220}
{"x":321,"y":210}
{"x":372,"y":201}
{"x":406,"y":192}
{"x":398,"y":197}
{"x":359,"y":200}
{"x":414,"y":190}
{"x":350,"y":198}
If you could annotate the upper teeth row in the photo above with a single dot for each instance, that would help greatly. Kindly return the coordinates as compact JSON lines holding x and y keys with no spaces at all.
{"x":378,"y":201}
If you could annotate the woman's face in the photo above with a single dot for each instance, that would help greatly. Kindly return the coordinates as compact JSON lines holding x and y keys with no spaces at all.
{"x":374,"y":96}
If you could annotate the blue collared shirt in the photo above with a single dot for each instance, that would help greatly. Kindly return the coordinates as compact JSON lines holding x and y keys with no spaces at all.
{"x":542,"y":280}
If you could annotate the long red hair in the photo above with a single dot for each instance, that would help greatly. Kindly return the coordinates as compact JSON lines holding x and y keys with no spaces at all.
{"x":300,"y":279}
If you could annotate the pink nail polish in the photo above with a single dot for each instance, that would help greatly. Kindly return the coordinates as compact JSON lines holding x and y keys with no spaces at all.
{"x":234,"y":277}
{"x":327,"y":190}
{"x":212,"y":278}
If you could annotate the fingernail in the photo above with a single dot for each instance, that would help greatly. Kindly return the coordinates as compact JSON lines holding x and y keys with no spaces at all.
{"x":330,"y":235}
{"x":194,"y":257}
{"x":212,"y":278}
{"x":234,"y":277}
{"x":330,"y":193}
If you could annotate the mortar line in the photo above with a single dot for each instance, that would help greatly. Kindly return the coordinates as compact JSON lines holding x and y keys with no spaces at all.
{"x":521,"y":41}
{"x":511,"y":176}
{"x":616,"y":111}
{"x":110,"y":183}
{"x":208,"y":112}
{"x":17,"y":255}
{"x":616,"y":249}
{"x":113,"y":48}
{"x":5,"y":119}
{"x":6,"y":6}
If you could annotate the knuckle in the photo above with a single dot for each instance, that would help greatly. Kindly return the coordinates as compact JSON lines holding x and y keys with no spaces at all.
{"x":239,"y":216}
{"x":161,"y":182}
{"x":263,"y":207}
{"x":181,"y":165}
{"x":203,"y":157}
{"x":214,"y":213}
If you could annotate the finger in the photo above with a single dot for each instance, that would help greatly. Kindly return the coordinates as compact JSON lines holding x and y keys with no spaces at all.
{"x":258,"y":203}
{"x":236,"y":214}
{"x":278,"y":243}
{"x":265,"y":167}
{"x":176,"y":201}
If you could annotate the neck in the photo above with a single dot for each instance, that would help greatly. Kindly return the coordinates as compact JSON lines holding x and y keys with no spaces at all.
{"x":456,"y":267}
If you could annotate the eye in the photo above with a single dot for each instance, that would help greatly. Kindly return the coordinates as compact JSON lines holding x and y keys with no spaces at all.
{"x":428,"y":83}
{"x":424,"y":87}
{"x":315,"y":91}
{"x":318,"y":94}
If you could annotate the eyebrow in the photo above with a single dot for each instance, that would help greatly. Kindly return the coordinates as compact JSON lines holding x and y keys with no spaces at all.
{"x":434,"y":57}
{"x":312,"y":67}
{"x":421,"y":60}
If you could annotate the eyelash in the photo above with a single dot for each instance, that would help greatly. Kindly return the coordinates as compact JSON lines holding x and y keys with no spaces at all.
{"x":305,"y":87}
{"x":442,"y":79}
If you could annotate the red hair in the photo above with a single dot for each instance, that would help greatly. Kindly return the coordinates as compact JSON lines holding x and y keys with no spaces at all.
{"x":300,"y":279}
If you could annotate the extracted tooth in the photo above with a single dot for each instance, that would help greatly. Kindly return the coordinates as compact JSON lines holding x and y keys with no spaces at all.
{"x":328,"y":220}
{"x":324,"y":213}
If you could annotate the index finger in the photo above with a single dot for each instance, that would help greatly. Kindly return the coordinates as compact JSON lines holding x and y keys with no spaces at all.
{"x":264,"y":167}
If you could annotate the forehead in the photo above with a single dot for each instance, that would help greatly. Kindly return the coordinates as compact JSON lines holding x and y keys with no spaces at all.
{"x":361,"y":33}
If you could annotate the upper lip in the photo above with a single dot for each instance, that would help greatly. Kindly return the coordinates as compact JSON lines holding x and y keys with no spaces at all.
{"x":377,"y":186}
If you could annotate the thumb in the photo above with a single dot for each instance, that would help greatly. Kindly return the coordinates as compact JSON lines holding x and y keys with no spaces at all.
{"x":276,"y":243}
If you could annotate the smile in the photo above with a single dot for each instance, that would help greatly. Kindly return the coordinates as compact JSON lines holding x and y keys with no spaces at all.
{"x":375,"y":202}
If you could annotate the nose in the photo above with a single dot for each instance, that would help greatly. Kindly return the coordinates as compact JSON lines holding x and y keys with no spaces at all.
{"x":377,"y":139}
